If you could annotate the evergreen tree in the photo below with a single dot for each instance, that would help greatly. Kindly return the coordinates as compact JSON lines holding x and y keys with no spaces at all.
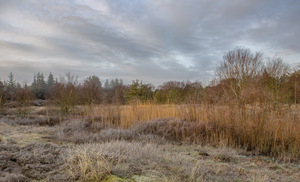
{"x":139,"y":91}
{"x":112,"y":84}
{"x":34,"y":81}
{"x":117,"y":82}
{"x":50,"y":80}
{"x":11,"y":80}
{"x":39,"y":86}
{"x":18,"y":86}
{"x":106,"y":85}
{"x":11,"y":86}
{"x":93,"y":80}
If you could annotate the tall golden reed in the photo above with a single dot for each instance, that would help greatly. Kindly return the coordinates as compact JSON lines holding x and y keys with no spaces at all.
{"x":253,"y":127}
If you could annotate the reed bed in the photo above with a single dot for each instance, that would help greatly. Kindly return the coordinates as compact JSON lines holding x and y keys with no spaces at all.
{"x":255,"y":128}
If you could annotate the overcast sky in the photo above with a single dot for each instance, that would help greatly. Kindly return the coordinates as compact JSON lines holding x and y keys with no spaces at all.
{"x":150,"y":40}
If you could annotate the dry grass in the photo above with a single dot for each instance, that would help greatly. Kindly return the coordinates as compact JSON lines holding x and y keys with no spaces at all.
{"x":142,"y":162}
{"x":89,"y":164}
{"x":257,"y":128}
{"x":160,"y":130}
{"x":151,"y":162}
{"x":140,"y":153}
{"x":32,"y":120}
{"x":149,"y":142}
{"x":254,"y":128}
{"x":22,"y":135}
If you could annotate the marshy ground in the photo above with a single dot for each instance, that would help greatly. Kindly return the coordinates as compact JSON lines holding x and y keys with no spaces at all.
{"x":39,"y":148}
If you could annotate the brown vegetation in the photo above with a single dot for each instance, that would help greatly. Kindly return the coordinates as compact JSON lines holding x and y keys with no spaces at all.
{"x":249,"y":113}
{"x":146,"y":152}
{"x":253,"y":127}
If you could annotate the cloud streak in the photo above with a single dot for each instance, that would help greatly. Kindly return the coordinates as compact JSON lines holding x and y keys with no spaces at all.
{"x":153,"y":40}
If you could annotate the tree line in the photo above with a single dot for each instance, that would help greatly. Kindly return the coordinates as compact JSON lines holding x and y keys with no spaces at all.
{"x":242,"y":78}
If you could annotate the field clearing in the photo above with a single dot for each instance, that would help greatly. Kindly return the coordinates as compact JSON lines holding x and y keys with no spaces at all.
{"x":149,"y":142}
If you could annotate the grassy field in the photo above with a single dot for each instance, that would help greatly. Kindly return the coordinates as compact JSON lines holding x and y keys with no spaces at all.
{"x":254,"y":128}
{"x":149,"y":142}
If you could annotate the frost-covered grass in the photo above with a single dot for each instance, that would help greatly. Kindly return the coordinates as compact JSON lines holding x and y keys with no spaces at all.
{"x":78,"y":150}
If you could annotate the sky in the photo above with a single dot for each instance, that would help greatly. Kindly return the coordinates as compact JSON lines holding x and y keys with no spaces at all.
{"x":151,"y":40}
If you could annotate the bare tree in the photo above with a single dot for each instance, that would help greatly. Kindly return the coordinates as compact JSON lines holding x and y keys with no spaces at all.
{"x":3,"y":96}
{"x":23,"y":96}
{"x":64,"y":93}
{"x":295,"y":79}
{"x":239,"y":67}
{"x":91,"y":91}
{"x":277,"y":80}
{"x":276,"y":68}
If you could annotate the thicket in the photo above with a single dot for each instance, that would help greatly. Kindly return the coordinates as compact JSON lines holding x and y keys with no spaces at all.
{"x":243,"y":78}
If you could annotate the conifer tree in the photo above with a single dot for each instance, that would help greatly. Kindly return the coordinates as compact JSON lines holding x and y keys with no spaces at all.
{"x":11,"y":86}
{"x":117,"y":82}
{"x":112,"y":84}
{"x":106,"y":85}
{"x":138,"y":91}
{"x":39,"y":86}
{"x":50,"y":80}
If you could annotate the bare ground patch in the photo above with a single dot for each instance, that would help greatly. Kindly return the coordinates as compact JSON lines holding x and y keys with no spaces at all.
{"x":31,"y":162}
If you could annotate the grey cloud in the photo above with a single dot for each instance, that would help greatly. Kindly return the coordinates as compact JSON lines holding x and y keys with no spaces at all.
{"x":153,"y":40}
{"x":20,"y":47}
